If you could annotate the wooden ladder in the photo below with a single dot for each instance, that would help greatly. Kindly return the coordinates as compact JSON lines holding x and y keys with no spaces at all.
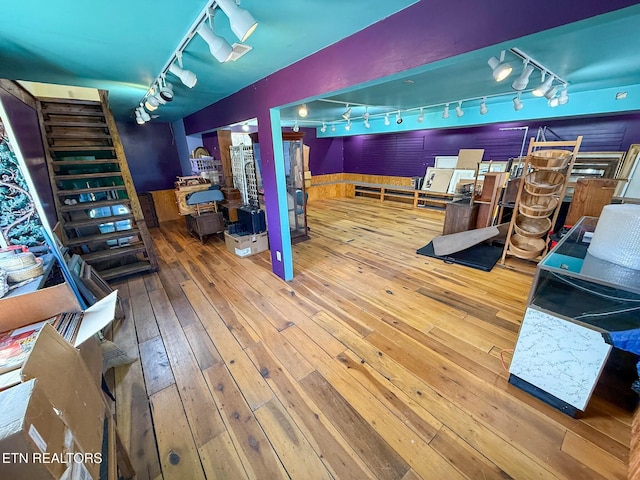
{"x":95,"y":199}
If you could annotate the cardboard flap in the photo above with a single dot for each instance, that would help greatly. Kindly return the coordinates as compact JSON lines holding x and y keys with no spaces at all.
{"x":96,"y":317}
{"x":469,"y":158}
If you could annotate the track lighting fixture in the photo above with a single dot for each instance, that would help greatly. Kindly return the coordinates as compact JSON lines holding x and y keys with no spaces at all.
{"x":302,"y":111}
{"x":386,"y":119}
{"x":187,"y":77}
{"x":544,"y":86}
{"x":366,"y":114}
{"x":296,"y":128}
{"x":347,"y":113}
{"x":218,"y":46}
{"x":367,"y":124}
{"x":483,"y":106}
{"x":139,"y":119}
{"x":151,"y":103}
{"x":459,"y":111}
{"x":242,"y":22}
{"x":324,"y":127}
{"x":517,"y":103}
{"x":347,"y":127}
{"x":445,"y":112}
{"x":166,"y":91}
{"x":563,"y":99}
{"x":500,"y":68}
{"x":333,"y":128}
{"x":143,"y":113}
{"x":520,"y":83}
{"x":398,"y":118}
{"x":421,"y":116}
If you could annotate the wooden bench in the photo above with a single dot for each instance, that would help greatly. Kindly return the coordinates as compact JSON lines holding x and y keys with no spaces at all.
{"x":402,"y":194}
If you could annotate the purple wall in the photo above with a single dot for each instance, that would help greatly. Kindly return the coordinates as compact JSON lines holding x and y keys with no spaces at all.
{"x":26,"y":127}
{"x":151,"y":154}
{"x":409,"y":154}
{"x":210,"y":142}
{"x":325,"y":154}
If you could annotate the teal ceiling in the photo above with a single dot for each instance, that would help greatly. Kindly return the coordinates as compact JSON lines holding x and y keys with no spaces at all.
{"x":598,"y":57}
{"x":122,"y":45}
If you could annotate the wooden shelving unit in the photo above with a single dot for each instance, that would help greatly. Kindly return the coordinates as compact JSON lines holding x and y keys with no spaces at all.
{"x":528,"y":168}
{"x":400,"y":194}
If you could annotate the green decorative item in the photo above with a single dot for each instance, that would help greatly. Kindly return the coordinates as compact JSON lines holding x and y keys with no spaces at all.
{"x":20,"y":223}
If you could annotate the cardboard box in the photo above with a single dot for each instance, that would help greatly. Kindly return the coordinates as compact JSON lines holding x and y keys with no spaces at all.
{"x":61,"y":371}
{"x":246,"y":245}
{"x":31,"y":432}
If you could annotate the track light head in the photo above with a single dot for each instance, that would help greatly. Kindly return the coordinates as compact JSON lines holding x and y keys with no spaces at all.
{"x":483,"y":107}
{"x":296,"y":128}
{"x":563,"y":99}
{"x":187,"y":77}
{"x":500,"y":68}
{"x":445,"y":112}
{"x":324,"y":127}
{"x":151,"y":103}
{"x":544,"y":86}
{"x":520,"y":83}
{"x":399,"y":119}
{"x":366,"y":114}
{"x":303,"y":111}
{"x":517,"y":103}
{"x":333,"y":128}
{"x":386,"y":119}
{"x":347,"y":127}
{"x":166,"y":92}
{"x":347,"y":113}
{"x":421,"y":116}
{"x":367,"y":124}
{"x":551,"y":93}
{"x":143,"y":113}
{"x":459,"y":111}
{"x":242,"y":22}
{"x":218,"y":46}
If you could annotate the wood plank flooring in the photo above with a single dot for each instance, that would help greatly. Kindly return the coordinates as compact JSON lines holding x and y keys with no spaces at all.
{"x":374,"y":362}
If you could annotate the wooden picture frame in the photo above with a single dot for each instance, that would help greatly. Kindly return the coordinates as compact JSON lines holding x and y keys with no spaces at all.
{"x":458,"y":175}
{"x":625,"y":169}
{"x":437,"y":179}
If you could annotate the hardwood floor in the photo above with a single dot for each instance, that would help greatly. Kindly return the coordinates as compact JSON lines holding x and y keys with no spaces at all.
{"x":374,"y":362}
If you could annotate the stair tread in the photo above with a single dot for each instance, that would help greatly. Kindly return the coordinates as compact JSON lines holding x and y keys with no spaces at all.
{"x":128,"y":269}
{"x":97,"y":221}
{"x":69,"y":123}
{"x":91,"y":205}
{"x":86,"y":162}
{"x":77,"y":135}
{"x":80,"y":176}
{"x":68,"y":101}
{"x":78,"y":191}
{"x":90,"y":148}
{"x":101,"y":237}
{"x":113,"y":252}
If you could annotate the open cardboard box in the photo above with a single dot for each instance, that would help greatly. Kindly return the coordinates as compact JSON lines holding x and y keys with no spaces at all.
{"x":61,"y":371}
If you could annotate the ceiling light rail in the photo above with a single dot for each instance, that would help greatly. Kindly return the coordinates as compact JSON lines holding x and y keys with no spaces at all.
{"x":242,"y":24}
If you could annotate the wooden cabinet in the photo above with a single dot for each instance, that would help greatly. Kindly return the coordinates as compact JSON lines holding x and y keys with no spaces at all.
{"x":205,"y":224}
{"x":460,"y":216}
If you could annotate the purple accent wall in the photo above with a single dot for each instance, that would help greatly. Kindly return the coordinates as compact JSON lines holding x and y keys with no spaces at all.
{"x":325,"y":154}
{"x":26,"y":127}
{"x":210,"y":142}
{"x":409,"y":154}
{"x":151,"y":154}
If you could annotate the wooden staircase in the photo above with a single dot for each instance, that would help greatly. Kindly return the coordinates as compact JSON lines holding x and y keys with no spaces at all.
{"x":96,"y":202}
